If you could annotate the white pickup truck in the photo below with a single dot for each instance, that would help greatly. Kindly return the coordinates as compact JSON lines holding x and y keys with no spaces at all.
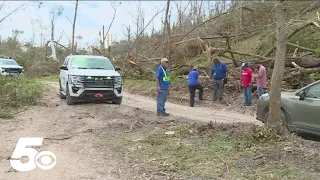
{"x":90,"y":78}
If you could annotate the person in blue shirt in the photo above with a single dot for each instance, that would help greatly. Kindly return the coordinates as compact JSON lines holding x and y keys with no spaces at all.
{"x":162,"y":83}
{"x":193,"y":85}
{"x":219,"y":76}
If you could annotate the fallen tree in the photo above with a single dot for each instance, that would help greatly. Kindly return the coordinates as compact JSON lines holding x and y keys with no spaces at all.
{"x":271,"y":50}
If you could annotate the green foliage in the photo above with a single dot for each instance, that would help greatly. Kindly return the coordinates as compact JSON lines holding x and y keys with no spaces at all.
{"x":315,"y":76}
{"x":308,"y":37}
{"x":228,"y":151}
{"x":18,"y":92}
{"x":201,"y":60}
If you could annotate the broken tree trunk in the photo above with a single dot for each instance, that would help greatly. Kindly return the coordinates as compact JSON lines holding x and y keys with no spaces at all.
{"x":300,"y":72}
{"x":305,"y":62}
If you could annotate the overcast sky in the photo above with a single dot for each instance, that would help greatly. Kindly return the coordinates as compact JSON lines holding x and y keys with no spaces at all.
{"x":91,"y":16}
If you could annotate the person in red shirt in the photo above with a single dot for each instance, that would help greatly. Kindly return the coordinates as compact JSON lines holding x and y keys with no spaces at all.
{"x":246,"y":79}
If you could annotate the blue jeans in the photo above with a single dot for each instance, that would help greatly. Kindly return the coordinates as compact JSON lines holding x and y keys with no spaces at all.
{"x":247,"y":95}
{"x":161,"y":100}
{"x":260,"y":91}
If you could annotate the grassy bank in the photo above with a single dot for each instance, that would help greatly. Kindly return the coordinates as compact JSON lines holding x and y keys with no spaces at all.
{"x":216,"y":151}
{"x":17,"y":92}
{"x":49,"y":78}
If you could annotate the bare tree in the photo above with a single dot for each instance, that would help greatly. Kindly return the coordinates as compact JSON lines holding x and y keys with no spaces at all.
{"x":104,"y":35}
{"x":135,"y":41}
{"x":32,"y":21}
{"x":16,"y":33}
{"x":279,"y":67}
{"x":128,"y":33}
{"x":166,"y":27}
{"x":55,"y":13}
{"x":41,"y":28}
{"x":199,"y":15}
{"x":139,"y":22}
{"x":74,"y":27}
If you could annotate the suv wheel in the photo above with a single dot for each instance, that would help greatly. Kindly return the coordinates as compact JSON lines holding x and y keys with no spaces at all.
{"x":70,"y":101}
{"x":62,"y":96}
{"x":117,"y":101}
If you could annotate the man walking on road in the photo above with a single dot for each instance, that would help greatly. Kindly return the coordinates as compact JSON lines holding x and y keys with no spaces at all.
{"x":261,"y":79}
{"x":246,"y":77}
{"x":219,"y":75}
{"x":162,"y":83}
{"x":193,"y":85}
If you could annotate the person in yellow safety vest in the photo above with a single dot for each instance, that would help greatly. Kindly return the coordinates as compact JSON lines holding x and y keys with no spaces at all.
{"x":162,"y":83}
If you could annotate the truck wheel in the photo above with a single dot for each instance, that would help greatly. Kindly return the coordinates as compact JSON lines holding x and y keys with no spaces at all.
{"x":62,"y":96}
{"x":70,"y":101}
{"x":117,"y":101}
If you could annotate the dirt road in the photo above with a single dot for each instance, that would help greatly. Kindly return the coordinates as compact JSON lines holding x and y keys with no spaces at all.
{"x":207,"y":114}
{"x":78,"y":135}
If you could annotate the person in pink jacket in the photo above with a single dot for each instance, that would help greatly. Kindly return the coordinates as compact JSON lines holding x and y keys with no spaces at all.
{"x":261,"y":79}
{"x":246,"y":79}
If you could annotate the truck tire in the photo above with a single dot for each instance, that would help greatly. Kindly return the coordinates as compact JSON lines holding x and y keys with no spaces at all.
{"x":70,"y":101}
{"x":117,"y":101}
{"x":62,"y":96}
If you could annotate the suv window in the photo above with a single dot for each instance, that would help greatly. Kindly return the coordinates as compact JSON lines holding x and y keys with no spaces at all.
{"x":91,"y":63}
{"x":8,"y":62}
{"x":314,"y":91}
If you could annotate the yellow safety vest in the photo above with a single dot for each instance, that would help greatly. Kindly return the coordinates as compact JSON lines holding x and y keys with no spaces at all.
{"x":165,"y":78}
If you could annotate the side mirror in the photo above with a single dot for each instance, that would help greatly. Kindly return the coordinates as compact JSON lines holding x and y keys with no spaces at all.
{"x":302,"y":96}
{"x":117,"y":68}
{"x":63,"y":67}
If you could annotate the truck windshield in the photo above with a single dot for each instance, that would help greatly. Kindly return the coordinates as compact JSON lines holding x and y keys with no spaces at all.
{"x":91,"y":63}
{"x":8,"y":62}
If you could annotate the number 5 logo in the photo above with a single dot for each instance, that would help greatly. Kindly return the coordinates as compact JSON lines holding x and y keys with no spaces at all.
{"x":33,"y":155}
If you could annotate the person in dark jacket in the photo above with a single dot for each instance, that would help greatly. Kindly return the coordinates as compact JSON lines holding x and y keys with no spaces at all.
{"x":193,"y":85}
{"x":219,"y":74}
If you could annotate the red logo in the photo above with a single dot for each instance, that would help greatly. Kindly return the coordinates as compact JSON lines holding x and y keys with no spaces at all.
{"x":98,"y":95}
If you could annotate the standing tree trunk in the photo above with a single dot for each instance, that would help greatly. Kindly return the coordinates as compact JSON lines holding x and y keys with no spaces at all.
{"x":74,"y":27}
{"x":166,"y":27}
{"x":274,"y":119}
{"x":102,"y":41}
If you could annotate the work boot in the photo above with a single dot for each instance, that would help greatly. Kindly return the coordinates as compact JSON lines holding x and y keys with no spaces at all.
{"x":162,"y":114}
{"x":166,"y":114}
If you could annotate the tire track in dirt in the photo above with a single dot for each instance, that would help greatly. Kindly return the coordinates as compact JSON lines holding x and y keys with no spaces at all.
{"x":202,"y":114}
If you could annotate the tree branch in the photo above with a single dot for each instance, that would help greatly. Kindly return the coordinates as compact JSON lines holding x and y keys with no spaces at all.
{"x":1,"y":6}
{"x":303,"y":48}
{"x":5,"y":17}
{"x":215,"y":17}
{"x":292,"y":34}
{"x":114,"y":15}
{"x":69,"y":20}
{"x":142,"y":32}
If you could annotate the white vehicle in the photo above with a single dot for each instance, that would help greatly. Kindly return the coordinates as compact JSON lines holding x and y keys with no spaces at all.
{"x":90,"y":78}
{"x":9,"y":67}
